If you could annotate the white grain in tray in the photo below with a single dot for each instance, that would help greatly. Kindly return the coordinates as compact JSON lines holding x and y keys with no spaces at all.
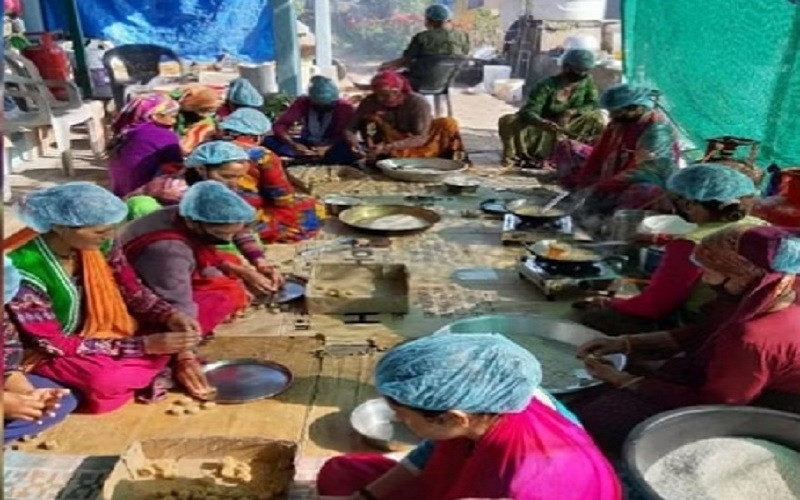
{"x":397,"y":222}
{"x":558,"y":360}
{"x":729,"y":468}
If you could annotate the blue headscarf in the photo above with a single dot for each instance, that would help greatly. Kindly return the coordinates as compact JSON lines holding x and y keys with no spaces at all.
{"x":474,"y":373}
{"x":710,"y":182}
{"x":247,"y":121}
{"x":214,"y":203}
{"x":11,"y":280}
{"x":438,"y":13}
{"x":243,"y":93}
{"x":74,"y":204}
{"x":323,"y":91}
{"x":580,"y":59}
{"x":215,"y":153}
{"x":624,"y":95}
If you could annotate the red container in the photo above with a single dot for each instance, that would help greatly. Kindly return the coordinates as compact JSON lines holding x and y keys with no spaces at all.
{"x":51,"y":61}
{"x":790,"y":186}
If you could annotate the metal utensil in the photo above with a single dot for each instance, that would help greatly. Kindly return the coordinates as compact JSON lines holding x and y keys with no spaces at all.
{"x":366,"y":217}
{"x":243,"y":380}
{"x":555,"y":201}
{"x":375,"y":421}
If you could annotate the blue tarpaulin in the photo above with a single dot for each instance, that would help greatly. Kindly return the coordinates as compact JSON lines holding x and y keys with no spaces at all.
{"x":199,"y":30}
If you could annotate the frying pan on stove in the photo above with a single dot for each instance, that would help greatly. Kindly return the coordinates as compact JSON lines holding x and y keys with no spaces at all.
{"x":566,"y":257}
{"x":530,"y":211}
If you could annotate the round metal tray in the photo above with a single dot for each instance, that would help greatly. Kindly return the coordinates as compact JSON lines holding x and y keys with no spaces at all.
{"x":243,"y":380}
{"x":364,"y":217}
{"x":420,"y":169}
{"x":568,"y":333}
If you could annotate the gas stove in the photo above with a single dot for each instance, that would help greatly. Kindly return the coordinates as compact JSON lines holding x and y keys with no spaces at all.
{"x":515,"y":231}
{"x":596,"y":276}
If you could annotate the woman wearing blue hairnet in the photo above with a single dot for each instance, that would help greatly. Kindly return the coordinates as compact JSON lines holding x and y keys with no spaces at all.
{"x":31,"y":403}
{"x":489,"y":430}
{"x":94,"y":327}
{"x":712,"y":196}
{"x":241,"y":95}
{"x":323,"y":117}
{"x":565,"y":105}
{"x":630,"y":164}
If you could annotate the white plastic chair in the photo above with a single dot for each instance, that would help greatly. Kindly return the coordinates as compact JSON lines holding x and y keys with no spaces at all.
{"x":24,"y":67}
{"x":41,"y":114}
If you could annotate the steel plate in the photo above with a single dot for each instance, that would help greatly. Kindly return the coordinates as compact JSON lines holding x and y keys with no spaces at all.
{"x":366,"y":217}
{"x":291,"y":290}
{"x":243,"y":380}
{"x":568,"y":333}
{"x":494,"y":206}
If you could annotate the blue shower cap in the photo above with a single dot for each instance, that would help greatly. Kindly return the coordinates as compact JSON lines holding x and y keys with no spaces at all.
{"x":624,"y":95}
{"x":215,"y":153}
{"x":247,"y":121}
{"x":243,"y":93}
{"x":323,"y":90}
{"x":710,"y":182}
{"x":438,"y":13}
{"x":579,"y":59}
{"x":74,"y":204}
{"x":475,"y":373}
{"x":11,"y":280}
{"x":787,"y":256}
{"x":214,"y":203}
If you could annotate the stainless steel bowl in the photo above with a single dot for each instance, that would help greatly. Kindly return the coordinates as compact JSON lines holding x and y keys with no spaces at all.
{"x":336,"y":204}
{"x":377,"y":424}
{"x":461,"y":185}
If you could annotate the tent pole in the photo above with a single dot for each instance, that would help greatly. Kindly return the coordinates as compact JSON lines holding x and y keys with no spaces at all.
{"x":287,"y":47}
{"x":322,"y":32}
{"x":78,"y":46}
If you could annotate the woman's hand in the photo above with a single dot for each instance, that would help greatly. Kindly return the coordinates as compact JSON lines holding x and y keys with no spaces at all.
{"x":264,"y":284}
{"x":23,"y":407}
{"x":302,"y":149}
{"x":593,"y":303}
{"x":170,"y":342}
{"x":271,"y":272}
{"x":603,"y":370}
{"x":602,"y":346}
{"x":190,"y":374}
{"x":182,"y":322}
{"x":50,"y":397}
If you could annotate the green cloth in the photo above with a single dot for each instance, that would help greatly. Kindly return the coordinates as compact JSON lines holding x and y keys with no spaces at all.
{"x":40,"y":268}
{"x":543,"y":105}
{"x":531,"y":142}
{"x":438,"y":42}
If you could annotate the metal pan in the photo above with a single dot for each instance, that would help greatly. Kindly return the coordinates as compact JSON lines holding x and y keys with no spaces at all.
{"x":243,"y":380}
{"x":389,"y":219}
{"x":494,"y":206}
{"x":529,"y":211}
{"x":568,"y":265}
{"x":375,"y":421}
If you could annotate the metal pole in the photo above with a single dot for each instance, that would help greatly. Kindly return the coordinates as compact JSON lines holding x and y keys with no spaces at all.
{"x":287,"y":47}
{"x":81,"y":70}
{"x":322,"y":32}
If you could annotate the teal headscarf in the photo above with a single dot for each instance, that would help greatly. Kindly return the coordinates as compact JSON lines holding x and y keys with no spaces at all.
{"x":438,"y":13}
{"x":580,"y":59}
{"x":624,"y":95}
{"x":323,"y":91}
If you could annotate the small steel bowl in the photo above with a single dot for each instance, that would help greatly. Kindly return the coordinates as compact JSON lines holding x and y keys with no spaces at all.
{"x":377,"y":424}
{"x":461,"y":185}
{"x":336,"y":204}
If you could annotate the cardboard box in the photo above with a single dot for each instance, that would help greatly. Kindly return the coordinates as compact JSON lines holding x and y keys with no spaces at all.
{"x":358,"y":288}
{"x":195,"y":466}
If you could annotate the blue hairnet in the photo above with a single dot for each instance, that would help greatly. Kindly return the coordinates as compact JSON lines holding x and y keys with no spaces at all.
{"x":579,"y":59}
{"x":438,"y":13}
{"x":247,"y":121}
{"x":709,"y":182}
{"x":74,"y":204}
{"x":11,"y":280}
{"x":475,"y":373}
{"x":212,"y":202}
{"x":323,"y":90}
{"x":215,"y":153}
{"x":624,"y":95}
{"x":787,"y":256}
{"x":243,"y":93}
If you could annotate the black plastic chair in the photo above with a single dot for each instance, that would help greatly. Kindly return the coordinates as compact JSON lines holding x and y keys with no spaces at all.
{"x":433,"y":76}
{"x":141,"y":63}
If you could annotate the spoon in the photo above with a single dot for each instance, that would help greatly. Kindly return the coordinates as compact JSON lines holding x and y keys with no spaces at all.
{"x":552,"y":203}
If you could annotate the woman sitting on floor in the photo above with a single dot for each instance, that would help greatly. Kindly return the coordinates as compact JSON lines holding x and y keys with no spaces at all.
{"x":748,"y":352}
{"x":713,"y":197}
{"x":88,"y":317}
{"x":283,"y":215}
{"x":324,"y":118}
{"x":196,"y":120}
{"x":241,"y":94}
{"x":632,"y":160}
{"x":31,"y":403}
{"x":174,"y":251}
{"x":490,"y":430}
{"x":143,"y":142}
{"x":395,"y":122}
{"x":565,"y":104}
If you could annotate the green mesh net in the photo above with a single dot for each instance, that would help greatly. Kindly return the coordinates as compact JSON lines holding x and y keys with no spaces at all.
{"x":724,"y":68}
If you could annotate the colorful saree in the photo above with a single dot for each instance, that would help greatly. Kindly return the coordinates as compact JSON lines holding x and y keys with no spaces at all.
{"x":85,"y":328}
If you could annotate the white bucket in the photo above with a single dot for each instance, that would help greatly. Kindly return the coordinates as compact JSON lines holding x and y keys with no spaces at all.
{"x":263,"y":76}
{"x":493,"y":73}
{"x":570,"y":10}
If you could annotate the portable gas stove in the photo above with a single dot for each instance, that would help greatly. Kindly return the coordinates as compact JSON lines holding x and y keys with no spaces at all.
{"x":516,"y":231}
{"x":596,"y":276}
